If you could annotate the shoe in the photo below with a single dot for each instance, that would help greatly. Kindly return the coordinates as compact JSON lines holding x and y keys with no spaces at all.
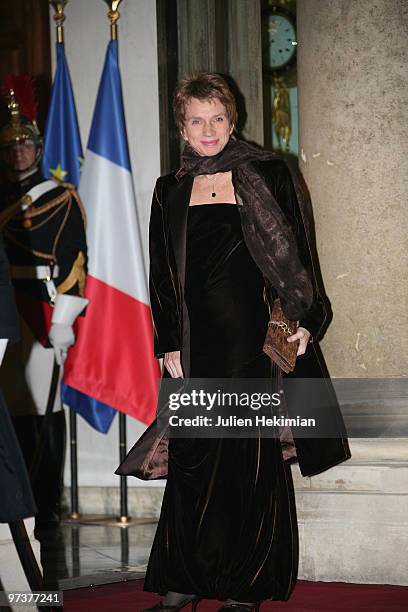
{"x":240,"y":607}
{"x":161,"y":606}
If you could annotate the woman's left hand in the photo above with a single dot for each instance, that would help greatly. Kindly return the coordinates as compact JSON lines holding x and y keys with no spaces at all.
{"x":303,"y":336}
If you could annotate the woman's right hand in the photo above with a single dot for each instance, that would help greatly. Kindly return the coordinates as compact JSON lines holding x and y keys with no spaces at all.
{"x":172,"y":363}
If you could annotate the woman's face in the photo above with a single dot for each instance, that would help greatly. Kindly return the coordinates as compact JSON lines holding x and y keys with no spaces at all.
{"x":206,"y":127}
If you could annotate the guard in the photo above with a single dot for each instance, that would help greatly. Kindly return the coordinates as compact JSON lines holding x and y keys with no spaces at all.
{"x":43,"y":225}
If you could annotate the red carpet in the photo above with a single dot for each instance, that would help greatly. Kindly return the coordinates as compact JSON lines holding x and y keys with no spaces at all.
{"x":307,"y":597}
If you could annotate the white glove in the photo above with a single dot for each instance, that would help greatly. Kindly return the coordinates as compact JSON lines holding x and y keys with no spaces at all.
{"x":66,"y":310}
{"x":3,"y":346}
{"x":61,"y":338}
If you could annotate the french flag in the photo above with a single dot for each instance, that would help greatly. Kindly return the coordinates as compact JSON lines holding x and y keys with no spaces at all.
{"x":111,"y":367}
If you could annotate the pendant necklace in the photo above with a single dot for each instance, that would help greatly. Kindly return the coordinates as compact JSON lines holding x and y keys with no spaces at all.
{"x":212,"y":177}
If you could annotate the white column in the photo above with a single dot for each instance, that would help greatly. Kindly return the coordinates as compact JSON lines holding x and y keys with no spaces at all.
{"x":353,"y":137}
{"x":353,"y":133}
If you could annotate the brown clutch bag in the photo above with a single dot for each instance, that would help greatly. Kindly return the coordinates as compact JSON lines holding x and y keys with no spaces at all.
{"x":276,"y":346}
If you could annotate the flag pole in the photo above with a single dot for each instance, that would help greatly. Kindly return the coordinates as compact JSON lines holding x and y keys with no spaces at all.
{"x":59,"y":18}
{"x":124,"y":518}
{"x":113,"y":15}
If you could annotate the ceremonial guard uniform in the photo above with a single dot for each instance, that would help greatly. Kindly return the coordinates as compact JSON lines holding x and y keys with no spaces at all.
{"x":43,"y":225}
{"x":43,"y":229}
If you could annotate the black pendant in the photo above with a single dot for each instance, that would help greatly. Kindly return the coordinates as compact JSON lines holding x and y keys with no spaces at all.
{"x":213,"y":194}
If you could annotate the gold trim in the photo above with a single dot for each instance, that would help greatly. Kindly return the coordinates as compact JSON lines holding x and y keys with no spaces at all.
{"x":59,"y":17}
{"x":69,"y":186}
{"x":78,"y":200}
{"x":61,"y":227}
{"x":113,"y":15}
{"x":281,"y":113}
{"x":35,"y":212}
{"x":9,"y":213}
{"x":50,"y":257}
{"x":12,"y":211}
{"x":287,"y":330}
{"x":40,"y":254}
{"x":77,"y":275}
{"x":32,"y":227}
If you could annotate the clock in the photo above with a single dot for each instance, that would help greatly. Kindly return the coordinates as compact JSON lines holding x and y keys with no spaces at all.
{"x":278,"y":41}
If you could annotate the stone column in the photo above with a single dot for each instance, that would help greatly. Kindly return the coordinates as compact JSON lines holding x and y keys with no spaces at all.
{"x":353,"y":153}
{"x":353,"y":137}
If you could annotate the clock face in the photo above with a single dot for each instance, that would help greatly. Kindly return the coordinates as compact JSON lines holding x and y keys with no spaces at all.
{"x":280,"y":40}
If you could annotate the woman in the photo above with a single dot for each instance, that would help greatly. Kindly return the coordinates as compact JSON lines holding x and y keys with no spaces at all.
{"x":223,"y":228}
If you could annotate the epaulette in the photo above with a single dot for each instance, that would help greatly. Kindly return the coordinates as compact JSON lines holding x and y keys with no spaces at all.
{"x":69,"y":186}
{"x":14,"y":211}
{"x":74,"y":193}
{"x":64,"y":184}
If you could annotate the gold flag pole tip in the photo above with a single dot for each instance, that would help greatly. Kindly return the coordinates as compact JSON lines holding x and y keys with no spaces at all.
{"x":113,"y":15}
{"x":59,"y":17}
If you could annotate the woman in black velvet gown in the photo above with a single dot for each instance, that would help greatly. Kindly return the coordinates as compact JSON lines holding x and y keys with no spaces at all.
{"x":228,"y":521}
{"x":227,"y":528}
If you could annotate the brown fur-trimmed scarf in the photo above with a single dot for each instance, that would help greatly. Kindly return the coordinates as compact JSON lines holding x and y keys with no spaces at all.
{"x":268,"y":235}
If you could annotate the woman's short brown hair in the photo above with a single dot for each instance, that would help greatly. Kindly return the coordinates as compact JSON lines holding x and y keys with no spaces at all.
{"x":203,"y":86}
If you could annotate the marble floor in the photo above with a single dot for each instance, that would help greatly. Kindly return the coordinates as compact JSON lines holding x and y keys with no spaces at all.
{"x":95,"y":551}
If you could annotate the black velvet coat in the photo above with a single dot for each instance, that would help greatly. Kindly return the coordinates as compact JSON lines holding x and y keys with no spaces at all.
{"x":16,"y":498}
{"x":8,"y":311}
{"x":168,"y":227}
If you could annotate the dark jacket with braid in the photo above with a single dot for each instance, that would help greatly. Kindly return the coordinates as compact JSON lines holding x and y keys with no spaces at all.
{"x":50,"y":232}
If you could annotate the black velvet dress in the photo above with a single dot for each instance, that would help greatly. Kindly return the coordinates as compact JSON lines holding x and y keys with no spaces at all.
{"x":228,"y":525}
